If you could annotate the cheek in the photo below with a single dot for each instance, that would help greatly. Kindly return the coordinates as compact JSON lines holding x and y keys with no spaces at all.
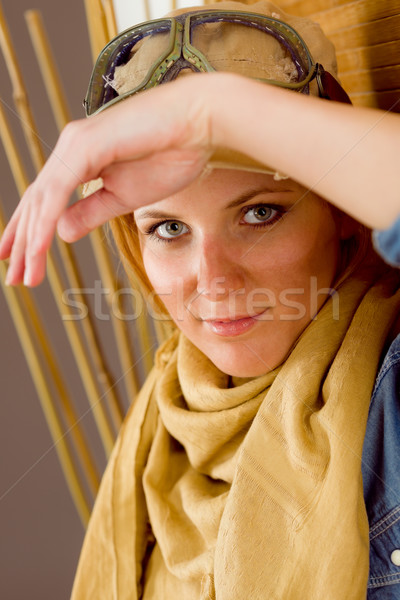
{"x":161,"y":268}
{"x":299,"y":261}
{"x":170,"y":278}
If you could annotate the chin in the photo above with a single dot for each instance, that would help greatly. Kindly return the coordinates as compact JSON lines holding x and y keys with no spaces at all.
{"x":245,"y":363}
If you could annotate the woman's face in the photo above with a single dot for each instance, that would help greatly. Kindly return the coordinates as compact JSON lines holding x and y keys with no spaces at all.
{"x":242,"y":264}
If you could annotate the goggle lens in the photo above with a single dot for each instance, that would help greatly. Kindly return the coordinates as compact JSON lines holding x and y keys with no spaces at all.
{"x":248,"y":50}
{"x":133,"y":43}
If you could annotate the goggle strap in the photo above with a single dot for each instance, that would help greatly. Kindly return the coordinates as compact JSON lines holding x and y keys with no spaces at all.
{"x":329,"y":88}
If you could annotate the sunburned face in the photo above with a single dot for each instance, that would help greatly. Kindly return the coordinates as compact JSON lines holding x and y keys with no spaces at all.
{"x":242,"y":263}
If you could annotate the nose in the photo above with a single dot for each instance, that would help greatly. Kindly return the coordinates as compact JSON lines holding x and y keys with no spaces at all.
{"x":219,"y":271}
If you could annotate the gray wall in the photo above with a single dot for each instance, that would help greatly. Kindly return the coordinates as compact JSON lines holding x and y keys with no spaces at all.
{"x":40,"y":532}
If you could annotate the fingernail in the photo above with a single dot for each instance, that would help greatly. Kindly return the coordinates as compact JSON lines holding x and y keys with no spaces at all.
{"x":27,"y":276}
{"x":7,"y":280}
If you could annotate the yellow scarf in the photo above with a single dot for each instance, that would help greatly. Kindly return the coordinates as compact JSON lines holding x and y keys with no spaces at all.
{"x":252,"y":491}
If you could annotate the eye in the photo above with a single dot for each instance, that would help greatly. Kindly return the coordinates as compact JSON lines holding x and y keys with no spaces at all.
{"x":256,"y":215}
{"x":170,"y":229}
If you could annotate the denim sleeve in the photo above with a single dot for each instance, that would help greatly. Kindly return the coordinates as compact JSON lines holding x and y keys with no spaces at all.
{"x":381,"y":478}
{"x":387,"y":244}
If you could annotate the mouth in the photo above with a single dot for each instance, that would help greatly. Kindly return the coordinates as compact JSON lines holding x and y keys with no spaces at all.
{"x":231,"y":327}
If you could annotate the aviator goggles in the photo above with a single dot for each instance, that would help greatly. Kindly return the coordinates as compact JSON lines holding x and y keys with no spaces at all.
{"x":182,"y":42}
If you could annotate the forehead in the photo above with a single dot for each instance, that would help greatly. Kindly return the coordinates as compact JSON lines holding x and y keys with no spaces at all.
{"x":219,"y":189}
{"x":238,"y":178}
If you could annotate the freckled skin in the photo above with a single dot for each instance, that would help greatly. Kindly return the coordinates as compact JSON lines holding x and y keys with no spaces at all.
{"x":219,"y":266}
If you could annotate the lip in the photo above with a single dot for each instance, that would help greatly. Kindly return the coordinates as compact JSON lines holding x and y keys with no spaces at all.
{"x":233,"y":327}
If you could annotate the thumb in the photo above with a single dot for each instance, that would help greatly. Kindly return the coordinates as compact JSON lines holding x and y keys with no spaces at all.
{"x":88,"y":213}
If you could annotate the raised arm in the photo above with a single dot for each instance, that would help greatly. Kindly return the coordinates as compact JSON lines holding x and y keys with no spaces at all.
{"x":348,"y":155}
{"x":154,"y":144}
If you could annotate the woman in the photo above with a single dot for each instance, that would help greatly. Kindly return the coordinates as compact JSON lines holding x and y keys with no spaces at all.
{"x":237,"y":473}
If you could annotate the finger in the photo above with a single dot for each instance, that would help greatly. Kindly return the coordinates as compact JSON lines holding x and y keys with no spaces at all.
{"x":8,"y":236}
{"x":78,"y":157}
{"x":42,"y":225}
{"x":73,"y":162}
{"x":66,"y":169}
{"x":30,"y":269}
{"x":35,"y":259}
{"x":35,"y":269}
{"x":84,"y":216}
{"x":16,"y":267}
{"x":127,"y":186}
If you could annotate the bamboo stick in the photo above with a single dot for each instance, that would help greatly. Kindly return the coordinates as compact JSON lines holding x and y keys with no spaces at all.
{"x":24,"y":320}
{"x":21,"y":181}
{"x":71,"y":418}
{"x":108,"y":391}
{"x":81,"y":358}
{"x":48,"y":68}
{"x":369,"y":57}
{"x":97,"y":25}
{"x":344,"y":13}
{"x":164,"y":329}
{"x":20,"y":96}
{"x":381,"y":80}
{"x":144,"y":338}
{"x":69,"y":414}
{"x":356,"y":14}
{"x":14,"y":159}
{"x":147,"y":11}
{"x":366,"y":34}
{"x":53,"y":86}
{"x":55,"y":92}
{"x":54,"y":373}
{"x":44,"y":394}
{"x":126,"y":358}
{"x":388,"y":100}
{"x":87,"y":375}
{"x":111,"y":21}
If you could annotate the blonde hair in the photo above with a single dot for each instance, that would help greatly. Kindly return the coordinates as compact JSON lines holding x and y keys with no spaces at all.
{"x":126,"y":237}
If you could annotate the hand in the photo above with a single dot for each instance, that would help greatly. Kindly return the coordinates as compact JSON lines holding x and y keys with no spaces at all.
{"x":144,"y":148}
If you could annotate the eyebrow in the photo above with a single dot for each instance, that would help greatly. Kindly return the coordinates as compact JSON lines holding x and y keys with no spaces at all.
{"x":154,"y":214}
{"x":252,"y":193}
{"x":151,"y":213}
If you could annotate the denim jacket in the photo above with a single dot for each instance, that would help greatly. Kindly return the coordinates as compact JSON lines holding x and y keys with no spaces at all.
{"x":381,"y":465}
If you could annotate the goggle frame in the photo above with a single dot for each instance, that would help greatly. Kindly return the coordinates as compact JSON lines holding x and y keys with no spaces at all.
{"x":181,"y":49}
